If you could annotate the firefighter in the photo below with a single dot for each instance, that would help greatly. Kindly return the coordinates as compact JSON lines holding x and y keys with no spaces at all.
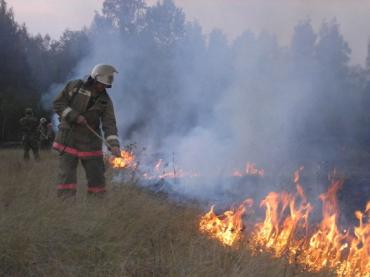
{"x":81,"y":105}
{"x":30,"y":135}
{"x":44,"y":134}
{"x":50,"y":133}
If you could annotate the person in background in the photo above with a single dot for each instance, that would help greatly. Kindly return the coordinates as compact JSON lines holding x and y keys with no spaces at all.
{"x":44,"y":135}
{"x":50,"y":134}
{"x":30,"y":135}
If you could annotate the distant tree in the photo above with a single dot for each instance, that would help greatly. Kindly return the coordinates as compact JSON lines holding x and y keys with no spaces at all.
{"x":219,"y":61}
{"x":165,"y":23}
{"x":124,"y":15}
{"x":303,"y":40}
{"x":332,"y":51}
{"x":12,"y":51}
{"x":37,"y":50}
{"x":16,"y":87}
{"x":67,"y":52}
{"x":245,"y":42}
{"x":178,"y":75}
{"x":155,"y":47}
{"x":244,"y":51}
{"x":121,"y":22}
{"x":217,"y":41}
{"x":30,"y":64}
{"x":191,"y":67}
{"x":333,"y":93}
{"x":361,"y":79}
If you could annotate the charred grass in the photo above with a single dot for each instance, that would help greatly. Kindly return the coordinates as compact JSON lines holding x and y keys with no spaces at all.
{"x":131,"y":232}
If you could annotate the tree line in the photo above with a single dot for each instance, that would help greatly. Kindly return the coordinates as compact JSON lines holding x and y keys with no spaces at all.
{"x":30,"y":64}
{"x":179,"y":75}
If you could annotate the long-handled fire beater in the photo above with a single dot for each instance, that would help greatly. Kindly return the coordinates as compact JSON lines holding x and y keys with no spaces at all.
{"x":106,"y":143}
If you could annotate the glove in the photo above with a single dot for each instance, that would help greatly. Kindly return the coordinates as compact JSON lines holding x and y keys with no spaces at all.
{"x":116,"y":151}
{"x":81,"y":120}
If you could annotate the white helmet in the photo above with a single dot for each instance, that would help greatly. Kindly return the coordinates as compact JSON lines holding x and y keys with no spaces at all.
{"x":103,"y":73}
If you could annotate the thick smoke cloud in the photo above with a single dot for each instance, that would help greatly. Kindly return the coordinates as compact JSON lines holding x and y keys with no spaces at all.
{"x":215,"y":103}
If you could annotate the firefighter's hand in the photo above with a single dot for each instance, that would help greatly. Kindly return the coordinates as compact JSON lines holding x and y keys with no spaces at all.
{"x":116,"y":151}
{"x":81,"y":120}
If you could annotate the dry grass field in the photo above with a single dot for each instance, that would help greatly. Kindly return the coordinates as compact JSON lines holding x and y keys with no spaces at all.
{"x":131,"y":232}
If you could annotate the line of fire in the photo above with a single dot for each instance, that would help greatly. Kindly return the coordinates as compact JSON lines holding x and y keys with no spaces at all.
{"x":281,"y":222}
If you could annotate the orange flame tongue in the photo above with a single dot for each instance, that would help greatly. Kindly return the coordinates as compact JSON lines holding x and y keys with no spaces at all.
{"x":125,"y":160}
{"x":283,"y":220}
{"x":284,"y":231}
{"x":250,"y":169}
{"x":358,"y":260}
{"x":228,"y":227}
{"x":327,"y":244}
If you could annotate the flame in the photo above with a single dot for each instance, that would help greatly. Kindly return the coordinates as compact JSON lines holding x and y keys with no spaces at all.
{"x":250,"y":169}
{"x":326,"y":245}
{"x":158,"y":165}
{"x":228,"y":227}
{"x":285,"y":231}
{"x":161,"y":171}
{"x":126,"y":159}
{"x":237,"y":173}
{"x":180,"y":173}
{"x":286,"y":216}
{"x":358,"y":260}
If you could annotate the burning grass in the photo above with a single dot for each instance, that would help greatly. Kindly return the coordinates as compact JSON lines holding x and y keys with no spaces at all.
{"x":285,"y":231}
{"x":129,"y":233}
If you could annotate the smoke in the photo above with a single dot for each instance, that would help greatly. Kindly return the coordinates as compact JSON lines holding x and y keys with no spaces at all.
{"x":210,"y":104}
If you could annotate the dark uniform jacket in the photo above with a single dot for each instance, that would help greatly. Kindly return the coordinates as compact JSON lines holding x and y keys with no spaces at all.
{"x":78,"y":98}
{"x":29,"y":128}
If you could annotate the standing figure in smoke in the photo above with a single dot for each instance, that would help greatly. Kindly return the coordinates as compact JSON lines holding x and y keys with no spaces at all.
{"x":84,"y":108}
{"x":30,"y":135}
{"x":50,"y":134}
{"x":45,"y":137}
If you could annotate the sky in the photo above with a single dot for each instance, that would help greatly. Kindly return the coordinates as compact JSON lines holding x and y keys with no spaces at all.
{"x":231,"y":16}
